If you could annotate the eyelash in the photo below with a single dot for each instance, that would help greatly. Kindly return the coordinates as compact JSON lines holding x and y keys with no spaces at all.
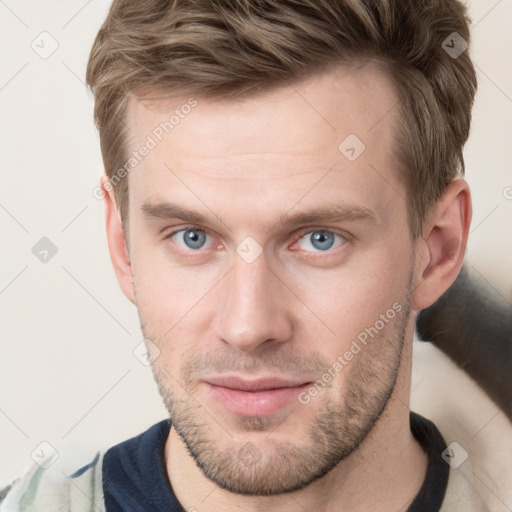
{"x":345,"y":236}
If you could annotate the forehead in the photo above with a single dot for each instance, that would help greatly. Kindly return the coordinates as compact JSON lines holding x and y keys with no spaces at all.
{"x":272,"y":145}
{"x":346,"y":99}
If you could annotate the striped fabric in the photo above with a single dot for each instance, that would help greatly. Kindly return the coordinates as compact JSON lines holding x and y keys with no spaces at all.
{"x":52,"y":489}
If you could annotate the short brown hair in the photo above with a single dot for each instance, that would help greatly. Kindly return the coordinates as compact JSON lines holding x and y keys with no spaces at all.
{"x":222,"y":49}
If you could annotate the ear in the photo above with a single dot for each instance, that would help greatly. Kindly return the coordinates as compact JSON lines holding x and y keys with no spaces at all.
{"x":117,"y":242}
{"x":440,"y":251}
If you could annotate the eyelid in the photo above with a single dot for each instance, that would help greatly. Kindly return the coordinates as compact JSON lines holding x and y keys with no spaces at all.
{"x":311,"y":229}
{"x":176,"y":229}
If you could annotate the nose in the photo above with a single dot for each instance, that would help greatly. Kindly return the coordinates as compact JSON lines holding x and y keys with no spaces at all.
{"x":254,"y":308}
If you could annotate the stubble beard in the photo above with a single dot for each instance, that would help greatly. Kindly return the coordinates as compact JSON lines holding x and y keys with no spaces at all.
{"x":273,"y":467}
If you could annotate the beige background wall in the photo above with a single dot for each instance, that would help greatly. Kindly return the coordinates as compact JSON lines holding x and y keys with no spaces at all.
{"x":67,"y":371}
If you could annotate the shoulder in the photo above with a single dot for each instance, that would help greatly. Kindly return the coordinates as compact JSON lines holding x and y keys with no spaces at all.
{"x":477,"y":432}
{"x":69,"y":480}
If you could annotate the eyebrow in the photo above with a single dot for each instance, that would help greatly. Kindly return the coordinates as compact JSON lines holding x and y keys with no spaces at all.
{"x":329,"y":213}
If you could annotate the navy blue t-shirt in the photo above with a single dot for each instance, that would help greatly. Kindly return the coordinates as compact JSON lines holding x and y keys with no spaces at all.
{"x":135,"y":478}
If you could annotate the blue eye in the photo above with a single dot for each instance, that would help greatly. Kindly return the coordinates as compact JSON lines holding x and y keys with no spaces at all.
{"x":190,"y":238}
{"x":194,"y":239}
{"x":320,"y":241}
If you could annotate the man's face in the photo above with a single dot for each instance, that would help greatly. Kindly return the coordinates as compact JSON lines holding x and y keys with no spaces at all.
{"x":248,"y":308}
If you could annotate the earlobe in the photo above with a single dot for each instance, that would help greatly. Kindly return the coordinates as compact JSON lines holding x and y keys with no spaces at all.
{"x":117,"y":242}
{"x":443,"y":244}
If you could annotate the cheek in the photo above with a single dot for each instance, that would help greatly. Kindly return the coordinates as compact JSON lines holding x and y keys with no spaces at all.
{"x":165,"y":291}
{"x":347,"y":300}
{"x":173,"y":308}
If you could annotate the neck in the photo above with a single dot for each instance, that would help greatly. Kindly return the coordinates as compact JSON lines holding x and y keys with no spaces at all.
{"x":384,"y":473}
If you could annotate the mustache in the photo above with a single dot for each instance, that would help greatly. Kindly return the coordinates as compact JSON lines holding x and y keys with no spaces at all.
{"x":275,"y":362}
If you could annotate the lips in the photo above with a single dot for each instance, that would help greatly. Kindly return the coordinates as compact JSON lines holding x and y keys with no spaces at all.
{"x":257,"y":397}
{"x":253,"y":385}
